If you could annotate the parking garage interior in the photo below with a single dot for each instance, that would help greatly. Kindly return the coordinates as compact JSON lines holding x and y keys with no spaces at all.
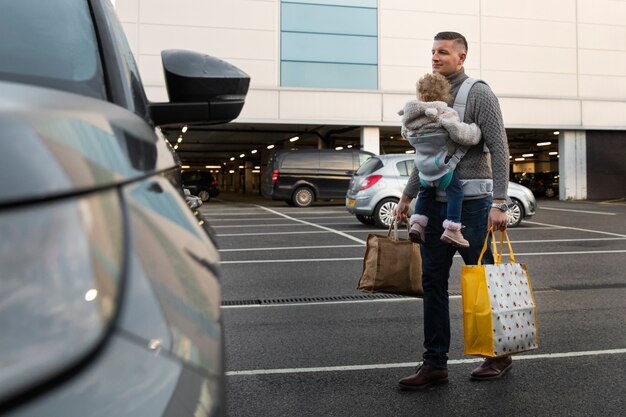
{"x":236,"y":153}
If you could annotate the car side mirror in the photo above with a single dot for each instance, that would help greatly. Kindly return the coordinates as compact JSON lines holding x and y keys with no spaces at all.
{"x":202,"y":89}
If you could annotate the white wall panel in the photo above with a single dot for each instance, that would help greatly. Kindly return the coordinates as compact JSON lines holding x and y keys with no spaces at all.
{"x":610,"y":12}
{"x":151,"y":70}
{"x":557,"y":10}
{"x":525,"y":58}
{"x":260,"y":104}
{"x":326,"y":105}
{"x":602,"y":37}
{"x":528,"y":32}
{"x":450,"y":6}
{"x":531,"y":83}
{"x":127,"y":10}
{"x":243,"y":44}
{"x":244,"y":14}
{"x":158,"y":94}
{"x":594,"y":62}
{"x":392,"y":103}
{"x":604,"y":114}
{"x":401,"y":78}
{"x":596,"y":86}
{"x":405,"y":52}
{"x":421,"y":25}
{"x":534,"y":112}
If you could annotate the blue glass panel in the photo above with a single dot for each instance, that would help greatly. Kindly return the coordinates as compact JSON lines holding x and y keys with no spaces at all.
{"x":329,"y":48}
{"x":319,"y":75}
{"x":355,"y":3}
{"x":328,"y":19}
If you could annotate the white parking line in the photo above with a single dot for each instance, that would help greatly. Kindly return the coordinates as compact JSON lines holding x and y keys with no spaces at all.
{"x":272,"y":261}
{"x":291,"y":248}
{"x":260,"y":225}
{"x":579,"y":229}
{"x":513,"y":242}
{"x":314,"y":225}
{"x":367,"y":367}
{"x":376,"y":231}
{"x":578,"y":211}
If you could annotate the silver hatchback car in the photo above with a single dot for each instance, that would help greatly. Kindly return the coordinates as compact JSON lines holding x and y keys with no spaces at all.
{"x":377,"y":185}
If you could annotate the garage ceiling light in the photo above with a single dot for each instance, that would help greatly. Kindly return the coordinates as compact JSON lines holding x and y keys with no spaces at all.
{"x":410,"y":151}
{"x":528,"y":155}
{"x":242,"y":155}
{"x":556,"y":132}
{"x":184,"y":129}
{"x":520,"y":159}
{"x":185,"y":166}
{"x":253,"y":151}
{"x":544,"y":144}
{"x":338,"y":148}
{"x":553,"y":153}
{"x":270,"y":146}
{"x":180,"y":139}
{"x":212,"y":166}
{"x":293,"y":139}
{"x":232,"y":158}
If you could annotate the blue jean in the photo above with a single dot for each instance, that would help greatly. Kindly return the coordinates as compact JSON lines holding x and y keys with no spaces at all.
{"x":454,"y":195}
{"x":436,"y":263}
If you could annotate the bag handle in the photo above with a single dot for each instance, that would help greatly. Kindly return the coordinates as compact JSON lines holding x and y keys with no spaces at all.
{"x":497,"y":254}
{"x":394,"y":226}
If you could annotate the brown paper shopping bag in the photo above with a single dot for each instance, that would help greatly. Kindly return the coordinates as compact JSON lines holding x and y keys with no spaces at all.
{"x":391,"y":265}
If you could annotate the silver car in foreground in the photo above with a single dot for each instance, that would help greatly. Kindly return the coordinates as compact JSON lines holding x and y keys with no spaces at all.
{"x":377,"y":185}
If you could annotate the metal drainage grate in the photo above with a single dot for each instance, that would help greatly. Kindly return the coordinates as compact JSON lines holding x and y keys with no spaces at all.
{"x":356,"y":297}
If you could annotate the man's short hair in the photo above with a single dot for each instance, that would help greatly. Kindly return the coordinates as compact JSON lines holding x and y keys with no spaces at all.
{"x":452,"y":36}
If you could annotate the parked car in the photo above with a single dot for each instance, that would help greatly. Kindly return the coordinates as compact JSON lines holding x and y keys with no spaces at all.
{"x":303,"y":176}
{"x":377,"y":186}
{"x":109,"y":296}
{"x":200,"y":183}
{"x":542,"y":184}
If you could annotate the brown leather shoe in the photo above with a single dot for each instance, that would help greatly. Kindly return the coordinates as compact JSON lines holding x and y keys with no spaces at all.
{"x":426,"y":376}
{"x":492,"y":368}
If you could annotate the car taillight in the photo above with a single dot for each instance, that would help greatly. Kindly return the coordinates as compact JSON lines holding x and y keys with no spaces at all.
{"x":369,"y":181}
{"x":213,"y":183}
{"x":275,"y":175}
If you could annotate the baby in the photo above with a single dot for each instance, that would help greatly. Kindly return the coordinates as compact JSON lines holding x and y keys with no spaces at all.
{"x":436,"y":132}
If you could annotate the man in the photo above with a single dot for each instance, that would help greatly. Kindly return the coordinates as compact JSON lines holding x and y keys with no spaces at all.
{"x":483,"y":166}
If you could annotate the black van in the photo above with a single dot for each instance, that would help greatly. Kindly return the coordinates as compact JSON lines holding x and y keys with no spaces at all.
{"x":302,"y":176}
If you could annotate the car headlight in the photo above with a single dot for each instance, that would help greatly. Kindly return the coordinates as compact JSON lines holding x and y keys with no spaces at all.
{"x":61,"y":266}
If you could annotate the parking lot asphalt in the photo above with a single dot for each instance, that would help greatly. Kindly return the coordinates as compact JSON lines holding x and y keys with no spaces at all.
{"x":300,"y":341}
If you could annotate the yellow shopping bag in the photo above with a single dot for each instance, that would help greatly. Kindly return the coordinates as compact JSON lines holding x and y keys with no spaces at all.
{"x":499,"y":309}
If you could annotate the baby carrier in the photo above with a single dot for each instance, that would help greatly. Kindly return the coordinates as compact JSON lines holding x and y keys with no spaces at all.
{"x":432,"y":160}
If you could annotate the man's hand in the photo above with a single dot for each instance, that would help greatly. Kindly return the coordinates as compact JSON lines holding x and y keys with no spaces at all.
{"x":497,"y":217}
{"x":402,"y":209}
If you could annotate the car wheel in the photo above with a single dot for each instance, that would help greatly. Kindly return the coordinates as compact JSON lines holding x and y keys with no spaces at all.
{"x":383,"y":214}
{"x":303,"y":197}
{"x":204,"y":195}
{"x":367,"y":220}
{"x":515,"y":214}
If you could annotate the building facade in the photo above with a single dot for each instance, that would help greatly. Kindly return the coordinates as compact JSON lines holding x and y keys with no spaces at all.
{"x":558,"y":68}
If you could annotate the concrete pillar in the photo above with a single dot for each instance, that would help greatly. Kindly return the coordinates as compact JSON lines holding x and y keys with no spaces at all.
{"x":573,"y":165}
{"x":370,"y":139}
{"x":249,"y":187}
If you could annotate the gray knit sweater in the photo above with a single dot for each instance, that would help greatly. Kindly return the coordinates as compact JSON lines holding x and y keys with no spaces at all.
{"x":484,"y":110}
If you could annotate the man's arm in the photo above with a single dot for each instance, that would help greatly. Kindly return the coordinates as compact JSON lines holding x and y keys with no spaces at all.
{"x":410,"y":192}
{"x":487,"y":114}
